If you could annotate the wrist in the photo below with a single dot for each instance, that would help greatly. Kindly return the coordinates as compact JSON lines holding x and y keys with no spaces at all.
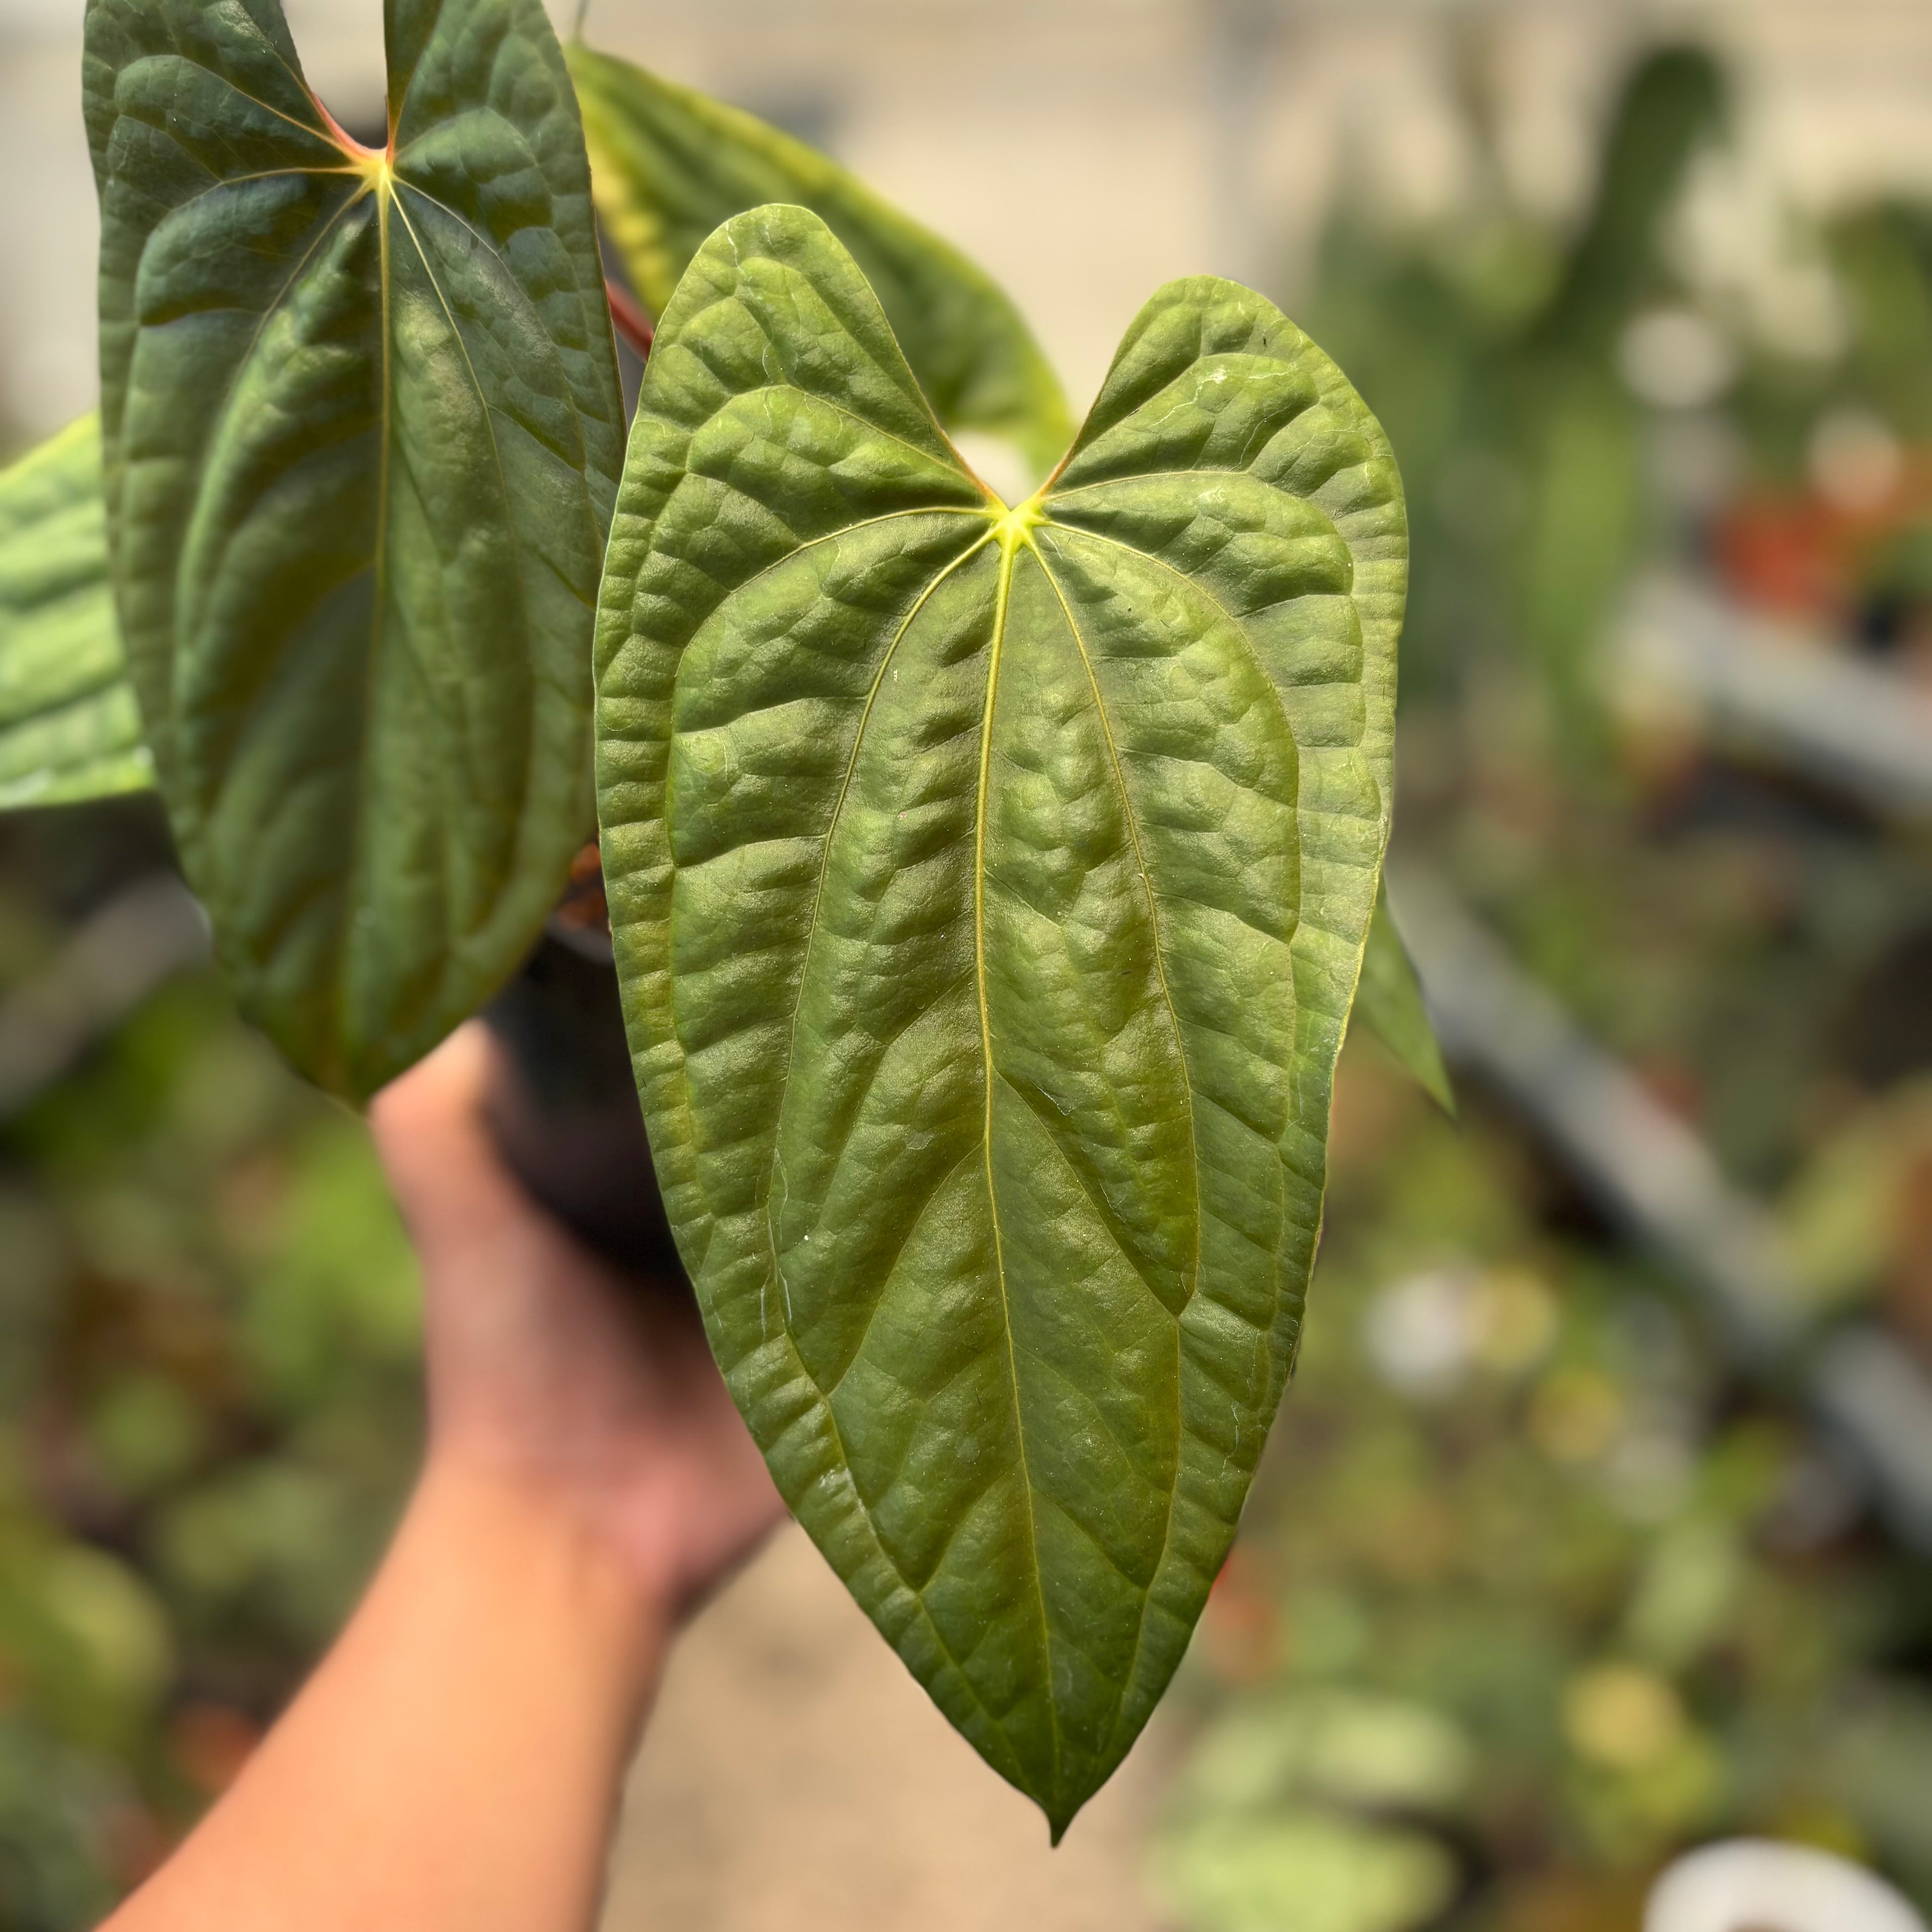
{"x":545,"y":1563}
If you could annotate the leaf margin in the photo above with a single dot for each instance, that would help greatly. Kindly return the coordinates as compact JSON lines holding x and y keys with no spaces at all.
{"x":626,"y":105}
{"x":635,"y":849}
{"x":349,"y":1009}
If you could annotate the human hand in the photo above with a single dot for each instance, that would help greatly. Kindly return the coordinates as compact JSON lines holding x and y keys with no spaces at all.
{"x":455,"y":1761}
{"x":550,"y":1377}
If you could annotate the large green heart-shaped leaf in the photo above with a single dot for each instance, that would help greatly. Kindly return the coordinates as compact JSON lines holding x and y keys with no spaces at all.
{"x":362,"y":428}
{"x":669,"y":164}
{"x":990,"y":888}
{"x":69,"y":727}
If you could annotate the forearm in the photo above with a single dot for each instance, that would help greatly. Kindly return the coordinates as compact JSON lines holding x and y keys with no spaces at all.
{"x":455,"y":1763}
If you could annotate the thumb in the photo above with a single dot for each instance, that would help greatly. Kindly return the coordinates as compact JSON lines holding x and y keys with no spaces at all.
{"x":436,"y":1147}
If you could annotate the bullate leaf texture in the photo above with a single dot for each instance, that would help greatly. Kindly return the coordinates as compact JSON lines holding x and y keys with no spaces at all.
{"x":361,"y":430}
{"x":668,"y":164}
{"x":989,"y":887}
{"x":69,"y":727}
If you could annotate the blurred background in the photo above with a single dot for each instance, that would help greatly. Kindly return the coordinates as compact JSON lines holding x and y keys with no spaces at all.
{"x":1597,"y":1523}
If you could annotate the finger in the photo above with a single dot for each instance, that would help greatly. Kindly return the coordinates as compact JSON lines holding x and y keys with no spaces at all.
{"x":435,"y":1143}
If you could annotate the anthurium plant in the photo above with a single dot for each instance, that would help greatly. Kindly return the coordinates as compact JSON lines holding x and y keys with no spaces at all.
{"x":990,"y":884}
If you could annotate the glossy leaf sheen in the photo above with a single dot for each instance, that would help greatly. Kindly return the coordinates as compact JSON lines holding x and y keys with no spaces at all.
{"x":362,"y":428}
{"x":69,"y":727}
{"x":1389,"y":1003}
{"x":990,"y":890}
{"x":669,"y":164}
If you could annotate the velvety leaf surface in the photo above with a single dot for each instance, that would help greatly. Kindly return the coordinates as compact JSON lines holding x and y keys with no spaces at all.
{"x":669,"y":164}
{"x":990,"y":889}
{"x":362,"y":426}
{"x":69,"y":727}
{"x":1389,"y":1003}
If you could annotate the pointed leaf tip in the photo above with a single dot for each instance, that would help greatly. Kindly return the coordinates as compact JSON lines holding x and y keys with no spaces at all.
{"x":989,"y":890}
{"x":1391,"y":1003}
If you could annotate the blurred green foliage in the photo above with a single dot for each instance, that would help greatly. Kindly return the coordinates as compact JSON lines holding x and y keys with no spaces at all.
{"x":207,"y":1410}
{"x":1532,"y":1597}
{"x":1535,"y":1592}
{"x":1488,"y":347}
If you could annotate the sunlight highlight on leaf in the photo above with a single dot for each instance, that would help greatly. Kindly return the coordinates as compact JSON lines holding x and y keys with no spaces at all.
{"x":69,"y":727}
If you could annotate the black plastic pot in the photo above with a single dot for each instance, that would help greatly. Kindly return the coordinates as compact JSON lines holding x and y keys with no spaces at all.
{"x":564,"y":1110}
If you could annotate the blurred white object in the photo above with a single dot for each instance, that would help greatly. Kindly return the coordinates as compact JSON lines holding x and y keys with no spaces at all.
{"x":1674,"y":358}
{"x":1770,"y":690}
{"x":1758,"y":1884}
{"x":1420,"y":1334}
{"x":1426,"y":1333}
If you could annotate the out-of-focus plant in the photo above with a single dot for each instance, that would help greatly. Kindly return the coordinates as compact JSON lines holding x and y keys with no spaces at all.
{"x":1491,"y":348}
{"x":1590,"y":1598}
{"x":208,"y":1411}
{"x":1553,"y":1604}
{"x":1685,"y":375}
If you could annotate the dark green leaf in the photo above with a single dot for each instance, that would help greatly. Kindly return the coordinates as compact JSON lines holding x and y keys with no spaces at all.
{"x":1389,"y":1003}
{"x":69,"y":729}
{"x":669,"y":164}
{"x":990,"y":888}
{"x":362,"y":426}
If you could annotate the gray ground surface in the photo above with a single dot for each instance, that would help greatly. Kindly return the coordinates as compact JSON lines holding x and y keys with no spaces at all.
{"x":795,"y":1777}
